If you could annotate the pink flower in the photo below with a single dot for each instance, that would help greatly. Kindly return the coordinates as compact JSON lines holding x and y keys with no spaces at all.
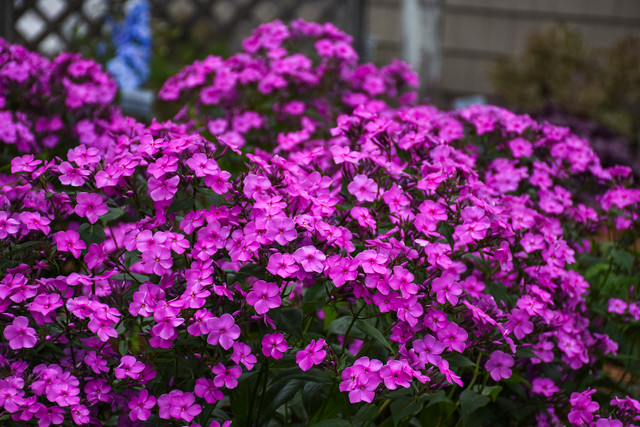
{"x":69,"y":241}
{"x":283,"y":265}
{"x":224,"y":331}
{"x":282,"y":230}
{"x":264,"y":296}
{"x":165,"y":189}
{"x":313,"y":354}
{"x":129,"y":367}
{"x":141,"y":406}
{"x":396,"y":373}
{"x":310,"y":258}
{"x":618,"y":306}
{"x":498,"y":365}
{"x":70,"y":175}
{"x":544,"y":386}
{"x":364,"y":188}
{"x":274,"y":345}
{"x":91,"y":206}
{"x":453,"y":336}
{"x":206,"y":389}
{"x":582,"y":407}
{"x":19,"y":334}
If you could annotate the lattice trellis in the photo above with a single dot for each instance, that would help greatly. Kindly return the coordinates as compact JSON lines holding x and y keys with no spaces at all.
{"x":50,"y":26}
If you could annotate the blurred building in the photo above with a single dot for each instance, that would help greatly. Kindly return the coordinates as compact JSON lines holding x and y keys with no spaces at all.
{"x":472,"y":34}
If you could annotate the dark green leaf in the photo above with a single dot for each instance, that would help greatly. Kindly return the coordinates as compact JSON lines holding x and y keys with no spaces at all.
{"x":91,"y":233}
{"x":469,"y":402}
{"x":278,"y":394}
{"x":113,"y":214}
{"x":374,"y":333}
{"x":623,"y":258}
{"x":288,"y":320}
{"x":333,"y":422}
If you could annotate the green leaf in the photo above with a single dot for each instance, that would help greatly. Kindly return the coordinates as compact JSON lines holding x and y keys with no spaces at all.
{"x":623,"y":258}
{"x":470,"y":401}
{"x":278,"y":394}
{"x":131,"y":276}
{"x":113,"y":214}
{"x":250,"y":270}
{"x":492,"y":391}
{"x":314,"y":298}
{"x":91,"y":233}
{"x":447,"y":230}
{"x":367,"y":413}
{"x":288,"y":320}
{"x":404,"y":407}
{"x":459,"y":361}
{"x":373,"y":333}
{"x":341,"y":325}
{"x":333,"y":422}
{"x":241,"y":398}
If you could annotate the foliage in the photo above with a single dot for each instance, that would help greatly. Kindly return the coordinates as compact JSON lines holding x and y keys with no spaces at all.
{"x":365,"y":261}
{"x":558,"y":67}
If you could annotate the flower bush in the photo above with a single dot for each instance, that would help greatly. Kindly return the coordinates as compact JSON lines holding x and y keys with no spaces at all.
{"x":51,"y":106}
{"x":398,"y":264}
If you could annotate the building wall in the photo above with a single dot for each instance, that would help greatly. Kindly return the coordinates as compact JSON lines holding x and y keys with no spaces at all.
{"x":477,"y":32}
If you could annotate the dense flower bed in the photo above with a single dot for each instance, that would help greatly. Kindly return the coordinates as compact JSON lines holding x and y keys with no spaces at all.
{"x":390,"y":263}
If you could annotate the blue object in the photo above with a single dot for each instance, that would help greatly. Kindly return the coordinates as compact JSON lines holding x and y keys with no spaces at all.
{"x":132,"y":40}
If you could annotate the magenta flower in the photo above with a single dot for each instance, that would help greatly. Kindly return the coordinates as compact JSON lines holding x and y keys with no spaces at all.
{"x":544,"y":386}
{"x":183,"y":407}
{"x":91,"y":206}
{"x":226,"y":377}
{"x":163,"y":189}
{"x":582,"y":407}
{"x":224,"y":331}
{"x":140,"y":406}
{"x":310,"y":258}
{"x":70,"y":175}
{"x":313,"y":354}
{"x":264,"y":296}
{"x":69,"y":241}
{"x":206,"y":389}
{"x":499,"y":365}
{"x":274,"y":345}
{"x":396,"y":373}
{"x":282,"y":230}
{"x":364,"y":188}
{"x":453,"y":337}
{"x":618,"y":306}
{"x":19,"y":334}
{"x":283,"y":265}
{"x":129,"y":367}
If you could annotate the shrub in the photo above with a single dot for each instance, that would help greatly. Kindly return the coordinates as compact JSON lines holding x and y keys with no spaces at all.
{"x":51,"y":106}
{"x":404,"y":265}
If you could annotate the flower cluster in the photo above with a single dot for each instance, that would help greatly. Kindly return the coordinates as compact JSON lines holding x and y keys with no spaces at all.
{"x":392,"y":253}
{"x":46,"y":103}
{"x":273,"y":96}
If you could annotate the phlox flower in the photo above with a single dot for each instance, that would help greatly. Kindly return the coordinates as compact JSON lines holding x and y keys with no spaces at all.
{"x":206,"y":389}
{"x":140,"y":406}
{"x":313,"y":354}
{"x":223,"y":331}
{"x":364,"y":188}
{"x":310,"y":258}
{"x":264,"y":296}
{"x":283,"y":265}
{"x":165,"y":189}
{"x":8,"y":225}
{"x":19,"y":334}
{"x":274,"y":345}
{"x":396,"y":373}
{"x":281,"y":229}
{"x":129,"y":367}
{"x":582,"y":407}
{"x":453,"y":337}
{"x":544,"y":386}
{"x":242,"y":354}
{"x":69,"y":241}
{"x":499,"y":365}
{"x":70,"y":175}
{"x":616,"y":305}
{"x":226,"y":377}
{"x":91,"y":206}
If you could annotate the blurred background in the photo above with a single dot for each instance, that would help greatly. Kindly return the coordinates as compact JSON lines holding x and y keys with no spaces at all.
{"x":572,"y":62}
